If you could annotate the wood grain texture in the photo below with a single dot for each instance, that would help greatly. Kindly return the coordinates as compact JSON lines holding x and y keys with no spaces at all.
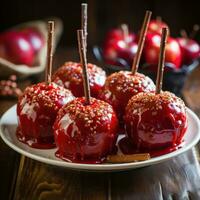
{"x":176,"y":179}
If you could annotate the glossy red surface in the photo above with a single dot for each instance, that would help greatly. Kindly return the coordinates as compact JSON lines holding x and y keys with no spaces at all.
{"x":190,"y":49}
{"x":15,"y":48}
{"x":119,"y":49}
{"x":70,"y":77}
{"x":155,"y":121}
{"x":152,"y":49}
{"x":85,"y":133}
{"x":36,"y":110}
{"x":34,"y":37}
{"x":155,"y":26}
{"x":127,"y":147}
{"x":121,"y":86}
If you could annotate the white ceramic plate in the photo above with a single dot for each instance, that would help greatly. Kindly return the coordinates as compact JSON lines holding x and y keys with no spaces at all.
{"x":8,"y":124}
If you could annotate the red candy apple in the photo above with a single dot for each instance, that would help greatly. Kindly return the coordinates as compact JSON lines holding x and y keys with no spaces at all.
{"x":119,"y":52}
{"x":155,"y":26}
{"x":152,"y":47}
{"x":15,"y":48}
{"x":117,"y":34}
{"x":190,"y":49}
{"x":119,"y":46}
{"x":155,"y":121}
{"x":34,"y":37}
{"x":85,"y":132}
{"x":70,"y":77}
{"x":36,"y":110}
{"x":121,"y":86}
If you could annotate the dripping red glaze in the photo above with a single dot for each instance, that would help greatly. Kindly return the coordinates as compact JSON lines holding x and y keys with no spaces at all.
{"x":70,"y":77}
{"x":155,"y":121}
{"x":36,"y":110}
{"x":85,"y":133}
{"x":127,"y":147}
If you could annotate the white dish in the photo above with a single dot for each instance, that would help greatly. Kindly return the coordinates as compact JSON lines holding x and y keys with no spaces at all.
{"x":8,"y":124}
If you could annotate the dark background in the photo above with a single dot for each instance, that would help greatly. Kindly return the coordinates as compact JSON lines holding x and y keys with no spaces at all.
{"x":102,"y":15}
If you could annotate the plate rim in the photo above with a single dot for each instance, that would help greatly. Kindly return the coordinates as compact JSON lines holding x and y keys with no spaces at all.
{"x":102,"y":167}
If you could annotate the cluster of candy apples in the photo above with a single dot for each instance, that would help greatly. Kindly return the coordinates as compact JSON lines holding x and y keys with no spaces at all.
{"x":120,"y":47}
{"x":85,"y":129}
{"x":21,"y":46}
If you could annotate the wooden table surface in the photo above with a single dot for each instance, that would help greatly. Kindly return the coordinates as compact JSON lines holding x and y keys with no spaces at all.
{"x":177,"y":179}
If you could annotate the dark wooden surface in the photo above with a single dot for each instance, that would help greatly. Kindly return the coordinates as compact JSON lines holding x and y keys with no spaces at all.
{"x":25,"y":179}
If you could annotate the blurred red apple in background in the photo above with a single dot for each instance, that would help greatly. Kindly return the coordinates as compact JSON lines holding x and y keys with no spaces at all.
{"x":152,"y":48}
{"x":15,"y":48}
{"x":190,"y":49}
{"x":119,"y":46}
{"x":156,"y":25}
{"x":34,"y":37}
{"x":120,"y":52}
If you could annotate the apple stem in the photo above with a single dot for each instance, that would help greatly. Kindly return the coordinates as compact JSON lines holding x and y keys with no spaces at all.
{"x":196,"y":28}
{"x":183,"y":33}
{"x":159,"y":19}
{"x":161,"y":60}
{"x":51,"y":27}
{"x":82,"y":53}
{"x":125,"y":32}
{"x":142,"y":37}
{"x":84,"y":17}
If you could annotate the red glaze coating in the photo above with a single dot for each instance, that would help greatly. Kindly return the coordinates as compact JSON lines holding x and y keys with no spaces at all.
{"x":155,"y":121}
{"x":70,"y":77}
{"x":85,"y":133}
{"x":121,"y":86}
{"x":127,"y":147}
{"x":36,"y":110}
{"x":152,"y":47}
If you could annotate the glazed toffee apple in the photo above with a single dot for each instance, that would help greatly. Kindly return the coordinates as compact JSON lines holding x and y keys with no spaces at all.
{"x":86,"y":128}
{"x":156,"y":120}
{"x":70,"y":77}
{"x":121,"y":86}
{"x":85,"y":132}
{"x":37,"y":109}
{"x":38,"y":106}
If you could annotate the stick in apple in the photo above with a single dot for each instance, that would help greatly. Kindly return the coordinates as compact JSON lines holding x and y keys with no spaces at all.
{"x":142,"y":37}
{"x":82,"y":52}
{"x":161,"y":60}
{"x":183,"y":33}
{"x":196,"y":28}
{"x":49,"y":51}
{"x":84,"y":17}
{"x":125,"y":32}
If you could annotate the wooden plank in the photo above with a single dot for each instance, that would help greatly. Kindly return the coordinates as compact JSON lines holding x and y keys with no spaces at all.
{"x":178,"y":178}
{"x":45,"y":182}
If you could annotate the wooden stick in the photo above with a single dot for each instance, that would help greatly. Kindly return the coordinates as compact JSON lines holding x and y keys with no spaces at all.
{"x":183,"y":33}
{"x":82,"y":52}
{"x":161,"y":60}
{"x":125,"y":31}
{"x":143,"y":32}
{"x":128,"y":158}
{"x":84,"y":17}
{"x":49,"y":51}
{"x":196,"y":28}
